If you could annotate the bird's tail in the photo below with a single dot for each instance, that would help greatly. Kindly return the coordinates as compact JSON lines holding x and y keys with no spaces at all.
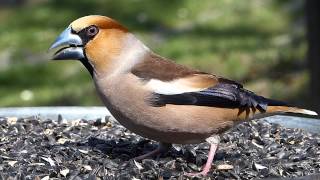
{"x":266,"y":105}
{"x":288,"y":109}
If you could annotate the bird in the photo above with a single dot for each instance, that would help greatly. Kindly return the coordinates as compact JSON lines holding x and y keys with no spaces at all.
{"x":155,"y":97}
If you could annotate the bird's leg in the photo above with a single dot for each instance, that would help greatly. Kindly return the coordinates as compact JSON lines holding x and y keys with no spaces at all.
{"x":163,"y":147}
{"x":214,"y":142}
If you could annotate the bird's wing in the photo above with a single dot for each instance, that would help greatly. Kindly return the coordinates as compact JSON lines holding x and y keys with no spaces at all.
{"x":171,"y":83}
{"x":205,"y":90}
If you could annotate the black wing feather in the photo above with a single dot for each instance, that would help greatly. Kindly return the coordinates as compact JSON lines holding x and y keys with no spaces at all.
{"x":224,"y":94}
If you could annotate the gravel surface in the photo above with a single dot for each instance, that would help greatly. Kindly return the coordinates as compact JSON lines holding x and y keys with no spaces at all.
{"x":34,"y":148}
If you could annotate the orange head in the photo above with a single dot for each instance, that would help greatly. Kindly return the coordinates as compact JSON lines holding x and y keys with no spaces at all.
{"x":94,"y":40}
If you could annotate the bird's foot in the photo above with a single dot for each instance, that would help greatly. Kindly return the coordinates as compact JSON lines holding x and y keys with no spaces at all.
{"x":204,"y":172}
{"x":163,"y":147}
{"x":214,"y":142}
{"x":147,"y":155}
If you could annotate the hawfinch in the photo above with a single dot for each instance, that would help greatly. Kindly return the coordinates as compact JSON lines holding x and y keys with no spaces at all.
{"x":155,"y":97}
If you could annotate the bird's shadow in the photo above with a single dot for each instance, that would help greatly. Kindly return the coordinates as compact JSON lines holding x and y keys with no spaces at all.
{"x":125,"y":149}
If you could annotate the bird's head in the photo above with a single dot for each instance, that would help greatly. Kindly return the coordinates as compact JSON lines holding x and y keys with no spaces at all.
{"x":94,"y":40}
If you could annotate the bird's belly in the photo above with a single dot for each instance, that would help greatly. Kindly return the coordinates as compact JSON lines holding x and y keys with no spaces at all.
{"x":160,"y":133}
{"x":166,"y":124}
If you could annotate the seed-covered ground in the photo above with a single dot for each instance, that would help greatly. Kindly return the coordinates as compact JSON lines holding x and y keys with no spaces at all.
{"x":33,"y":148}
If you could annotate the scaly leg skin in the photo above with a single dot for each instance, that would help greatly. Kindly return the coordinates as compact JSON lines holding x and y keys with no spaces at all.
{"x":163,"y":147}
{"x":214,"y":142}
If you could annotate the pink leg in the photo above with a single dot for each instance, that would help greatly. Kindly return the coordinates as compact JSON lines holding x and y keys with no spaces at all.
{"x":163,"y":147}
{"x":214,"y":141}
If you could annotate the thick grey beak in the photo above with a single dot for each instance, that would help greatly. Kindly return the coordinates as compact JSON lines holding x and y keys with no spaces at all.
{"x":69,"y":46}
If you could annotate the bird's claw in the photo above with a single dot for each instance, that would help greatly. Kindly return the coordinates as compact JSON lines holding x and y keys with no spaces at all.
{"x":202,"y":173}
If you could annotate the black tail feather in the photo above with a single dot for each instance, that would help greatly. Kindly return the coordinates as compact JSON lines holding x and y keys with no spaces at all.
{"x":250,"y":99}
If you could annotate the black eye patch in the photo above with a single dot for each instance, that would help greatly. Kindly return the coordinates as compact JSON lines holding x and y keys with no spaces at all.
{"x":88,"y":33}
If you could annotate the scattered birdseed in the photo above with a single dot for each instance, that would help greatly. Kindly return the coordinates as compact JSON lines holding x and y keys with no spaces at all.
{"x":64,"y":172}
{"x":33,"y":148}
{"x":224,"y":167}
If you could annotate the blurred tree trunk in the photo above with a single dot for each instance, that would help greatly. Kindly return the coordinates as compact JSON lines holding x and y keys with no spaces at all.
{"x":312,"y":10}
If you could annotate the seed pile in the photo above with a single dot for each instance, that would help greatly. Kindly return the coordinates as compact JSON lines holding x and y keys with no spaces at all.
{"x":33,"y":148}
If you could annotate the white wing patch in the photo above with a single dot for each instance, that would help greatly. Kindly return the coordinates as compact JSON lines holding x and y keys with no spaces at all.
{"x":171,"y":87}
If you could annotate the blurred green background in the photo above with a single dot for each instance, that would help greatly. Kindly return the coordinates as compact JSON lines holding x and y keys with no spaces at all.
{"x":261,"y":44}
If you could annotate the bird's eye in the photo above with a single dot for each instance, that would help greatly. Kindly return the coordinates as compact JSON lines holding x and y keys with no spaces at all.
{"x":92,"y":31}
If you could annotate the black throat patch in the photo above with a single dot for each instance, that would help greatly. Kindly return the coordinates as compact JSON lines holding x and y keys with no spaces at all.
{"x":88,"y":66}
{"x":85,"y":39}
